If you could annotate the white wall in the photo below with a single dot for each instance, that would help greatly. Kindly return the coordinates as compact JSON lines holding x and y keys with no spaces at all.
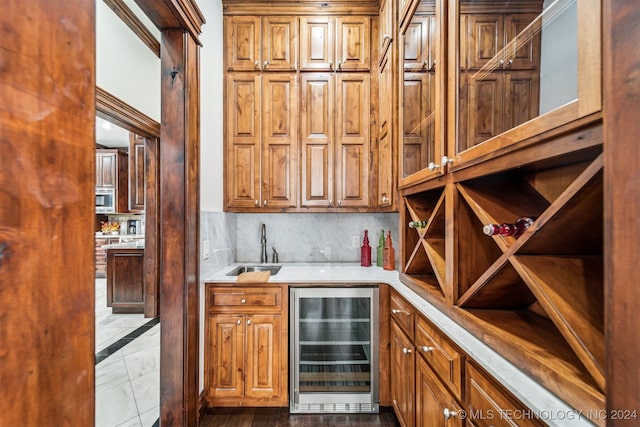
{"x":211,"y":107}
{"x":126,"y":67}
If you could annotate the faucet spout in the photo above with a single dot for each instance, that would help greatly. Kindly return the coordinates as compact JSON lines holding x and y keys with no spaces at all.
{"x":263,"y":241}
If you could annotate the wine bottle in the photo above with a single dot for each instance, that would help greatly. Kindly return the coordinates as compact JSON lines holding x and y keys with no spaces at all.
{"x":380,"y":250}
{"x":365,"y":251}
{"x":506,"y":229}
{"x":389,"y":254}
{"x":417,"y":224}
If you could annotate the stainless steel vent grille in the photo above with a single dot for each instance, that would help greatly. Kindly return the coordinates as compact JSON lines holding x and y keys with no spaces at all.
{"x":342,"y":408}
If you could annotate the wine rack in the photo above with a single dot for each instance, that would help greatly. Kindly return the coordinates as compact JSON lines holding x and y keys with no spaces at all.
{"x":538,"y":298}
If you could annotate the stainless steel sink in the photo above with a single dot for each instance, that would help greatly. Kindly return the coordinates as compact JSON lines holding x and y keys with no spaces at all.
{"x":247,"y":268}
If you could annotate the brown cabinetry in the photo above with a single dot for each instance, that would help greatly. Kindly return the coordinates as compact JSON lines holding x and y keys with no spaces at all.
{"x":125,"y":280}
{"x":266,"y":43}
{"x":112,"y":171}
{"x":246,"y":345}
{"x":334,"y":133}
{"x":329,"y":43}
{"x":261,"y":149}
{"x":137,"y":172}
{"x":511,"y":153}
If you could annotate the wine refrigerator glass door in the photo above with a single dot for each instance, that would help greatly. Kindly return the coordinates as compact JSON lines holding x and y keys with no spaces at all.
{"x":334,"y":350}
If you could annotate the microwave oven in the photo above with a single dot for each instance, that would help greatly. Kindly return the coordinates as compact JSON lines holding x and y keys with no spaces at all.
{"x":105,"y":200}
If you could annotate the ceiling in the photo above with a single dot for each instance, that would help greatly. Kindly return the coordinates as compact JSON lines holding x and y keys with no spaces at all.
{"x":111,"y":135}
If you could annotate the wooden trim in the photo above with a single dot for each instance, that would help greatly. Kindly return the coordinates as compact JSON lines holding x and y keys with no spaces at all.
{"x":119,"y":112}
{"x":621,"y":61}
{"x":130,"y":19}
{"x":173,"y":14}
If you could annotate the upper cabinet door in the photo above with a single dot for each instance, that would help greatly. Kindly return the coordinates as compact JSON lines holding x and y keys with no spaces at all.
{"x":242,"y":43}
{"x":353,"y":43}
{"x":242,"y":145}
{"x":317,"y":139}
{"x":352,"y":139}
{"x":279,"y":43}
{"x":317,"y":43}
{"x":279,"y":145}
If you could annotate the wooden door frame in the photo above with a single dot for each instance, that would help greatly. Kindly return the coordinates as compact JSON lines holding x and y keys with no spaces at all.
{"x":180,"y":23}
{"x":113,"y":109}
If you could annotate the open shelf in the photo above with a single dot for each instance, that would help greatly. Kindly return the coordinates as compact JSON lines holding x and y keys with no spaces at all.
{"x":424,"y":248}
{"x":546,"y":352}
{"x":576,"y":307}
{"x":502,"y":288}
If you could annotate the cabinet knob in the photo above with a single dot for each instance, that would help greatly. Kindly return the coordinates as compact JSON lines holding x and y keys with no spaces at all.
{"x":509,"y":62}
{"x":448,"y":413}
{"x":427,"y":349}
{"x":386,"y":36}
{"x":501,"y":62}
{"x":406,"y":350}
{"x":264,"y":202}
{"x":395,"y":311}
{"x":446,"y":161}
{"x":433,"y":66}
{"x":331,"y":65}
{"x":339,"y":64}
{"x":330,"y":203}
{"x":433,"y":166}
{"x":257,"y":64}
{"x":265,"y":64}
{"x":340,"y":203}
{"x":248,"y":322}
{"x":243,"y":301}
{"x":385,"y":199}
{"x":238,"y":322}
{"x":256,"y":202}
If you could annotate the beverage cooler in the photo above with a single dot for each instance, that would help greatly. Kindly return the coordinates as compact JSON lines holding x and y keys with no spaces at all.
{"x":334,"y":350}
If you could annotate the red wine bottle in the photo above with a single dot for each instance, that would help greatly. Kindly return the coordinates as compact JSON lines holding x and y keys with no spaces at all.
{"x":417,"y":224}
{"x":515,"y":229}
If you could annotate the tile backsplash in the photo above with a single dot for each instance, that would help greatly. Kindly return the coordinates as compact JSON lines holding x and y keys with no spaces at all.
{"x":331,"y":237}
{"x":312,"y":237}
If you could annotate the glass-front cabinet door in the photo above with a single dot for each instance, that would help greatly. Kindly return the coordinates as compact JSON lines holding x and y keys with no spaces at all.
{"x":421,"y":118}
{"x":524,"y":67}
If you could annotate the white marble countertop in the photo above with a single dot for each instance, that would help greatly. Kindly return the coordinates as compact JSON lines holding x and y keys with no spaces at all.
{"x":550,"y":409}
{"x":139,"y":244}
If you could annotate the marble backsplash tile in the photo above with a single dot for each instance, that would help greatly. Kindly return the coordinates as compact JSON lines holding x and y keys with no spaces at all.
{"x":313,"y":237}
{"x":219,"y":228}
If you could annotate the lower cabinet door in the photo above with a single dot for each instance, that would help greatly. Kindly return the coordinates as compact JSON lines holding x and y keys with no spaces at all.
{"x":435,"y":406}
{"x":263,"y":356}
{"x":226,"y":370}
{"x":402,"y":376}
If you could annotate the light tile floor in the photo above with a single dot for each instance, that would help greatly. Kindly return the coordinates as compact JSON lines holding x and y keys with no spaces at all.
{"x":128,"y":381}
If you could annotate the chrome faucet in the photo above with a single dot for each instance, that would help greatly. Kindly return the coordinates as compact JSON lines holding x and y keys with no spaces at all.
{"x":263,"y":240}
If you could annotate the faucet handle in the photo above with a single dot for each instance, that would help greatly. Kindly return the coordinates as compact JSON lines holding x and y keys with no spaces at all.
{"x":274,"y":256}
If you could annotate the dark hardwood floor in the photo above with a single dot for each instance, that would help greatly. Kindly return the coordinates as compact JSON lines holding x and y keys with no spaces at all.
{"x":280,"y":417}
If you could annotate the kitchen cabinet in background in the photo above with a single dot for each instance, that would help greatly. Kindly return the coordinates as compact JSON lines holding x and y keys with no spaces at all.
{"x":137,"y":172}
{"x":101,"y":254}
{"x":125,"y":280}
{"x":112,"y":171}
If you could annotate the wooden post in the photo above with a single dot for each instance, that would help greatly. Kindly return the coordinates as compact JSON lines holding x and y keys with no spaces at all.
{"x":621,"y":75}
{"x":179,"y":228}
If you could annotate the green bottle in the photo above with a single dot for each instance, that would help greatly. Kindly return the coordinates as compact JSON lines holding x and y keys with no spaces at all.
{"x":380,"y":252}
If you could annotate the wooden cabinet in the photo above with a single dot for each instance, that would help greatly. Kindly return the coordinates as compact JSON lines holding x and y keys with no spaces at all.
{"x":435,"y":405}
{"x":137,"y":172}
{"x":112,"y":171}
{"x":329,"y":43}
{"x":489,"y":405}
{"x":261,"y":149}
{"x":334,"y":132}
{"x":125,"y":280}
{"x":266,"y":43}
{"x":537,"y":299}
{"x":402,"y":376}
{"x":246,"y":345}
